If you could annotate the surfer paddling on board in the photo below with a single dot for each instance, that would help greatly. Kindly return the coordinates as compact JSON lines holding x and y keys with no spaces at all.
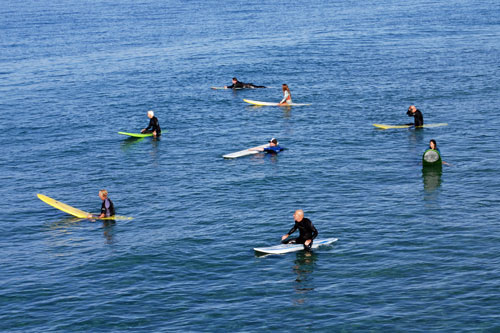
{"x":417,"y":116}
{"x":307,"y":231}
{"x":273,"y":148}
{"x":154,"y":125}
{"x":107,"y":207}
{"x":240,"y":85}
{"x":287,"y":97}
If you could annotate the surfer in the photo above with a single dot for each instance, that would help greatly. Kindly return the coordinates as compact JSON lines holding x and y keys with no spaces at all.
{"x":417,"y":116}
{"x":154,"y":125}
{"x":287,"y":97}
{"x":273,"y":148}
{"x":307,"y":231}
{"x":240,"y":85}
{"x":107,"y":207}
{"x":433,"y":145}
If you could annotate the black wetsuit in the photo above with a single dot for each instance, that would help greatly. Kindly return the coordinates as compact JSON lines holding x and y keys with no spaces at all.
{"x":154,"y":125}
{"x":306,"y":231}
{"x":419,"y":118}
{"x":107,"y":208}
{"x":241,"y":85}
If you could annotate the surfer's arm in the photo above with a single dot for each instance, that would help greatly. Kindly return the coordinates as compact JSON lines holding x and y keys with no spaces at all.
{"x":289,"y":232}
{"x":314,"y":231}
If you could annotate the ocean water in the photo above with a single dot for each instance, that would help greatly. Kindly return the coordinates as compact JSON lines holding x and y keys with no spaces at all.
{"x":417,"y":251}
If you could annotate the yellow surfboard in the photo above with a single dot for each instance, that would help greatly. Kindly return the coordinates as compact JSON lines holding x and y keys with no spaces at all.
{"x":383,"y":126}
{"x":75,"y":211}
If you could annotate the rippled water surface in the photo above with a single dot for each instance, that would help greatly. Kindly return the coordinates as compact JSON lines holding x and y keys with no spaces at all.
{"x":417,"y":251}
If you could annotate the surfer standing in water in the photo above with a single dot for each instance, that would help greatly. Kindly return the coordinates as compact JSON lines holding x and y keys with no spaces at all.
{"x":154,"y":125}
{"x":417,"y":116}
{"x":307,"y":231}
{"x":287,"y":97}
{"x":273,"y":148}
{"x":433,"y":145}
{"x":107,"y":207}
{"x":240,"y":85}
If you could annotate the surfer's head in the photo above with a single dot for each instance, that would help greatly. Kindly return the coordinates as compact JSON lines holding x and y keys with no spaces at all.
{"x":235,"y":80}
{"x":285,"y":87}
{"x":299,"y":215}
{"x":103,"y":194}
{"x":151,"y":114}
{"x":273,"y":142}
{"x":411,"y":110}
{"x":432,"y":144}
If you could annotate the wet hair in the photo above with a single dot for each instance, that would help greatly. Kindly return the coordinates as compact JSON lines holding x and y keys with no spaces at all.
{"x":235,"y":79}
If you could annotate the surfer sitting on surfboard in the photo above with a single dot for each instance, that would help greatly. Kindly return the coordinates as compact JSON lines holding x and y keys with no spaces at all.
{"x":307,"y":231}
{"x":417,"y":116}
{"x":154,"y":125}
{"x":107,"y":207}
{"x":273,"y":148}
{"x":287,"y":97}
{"x":240,"y":85}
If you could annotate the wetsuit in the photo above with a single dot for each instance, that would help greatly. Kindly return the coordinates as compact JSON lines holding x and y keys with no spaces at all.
{"x":274,"y":149}
{"x":107,"y":208}
{"x":306,"y":231}
{"x":241,"y":85}
{"x":287,"y":98}
{"x":154,"y":125}
{"x":417,"y":116}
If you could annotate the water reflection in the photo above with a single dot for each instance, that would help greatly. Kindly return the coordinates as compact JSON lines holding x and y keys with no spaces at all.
{"x":303,"y":267}
{"x":108,"y":227}
{"x":416,"y":136}
{"x":129,"y":142}
{"x":431,"y":178}
{"x":67,"y":226}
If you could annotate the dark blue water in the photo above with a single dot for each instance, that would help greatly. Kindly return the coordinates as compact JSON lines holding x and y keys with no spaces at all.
{"x":417,"y":252}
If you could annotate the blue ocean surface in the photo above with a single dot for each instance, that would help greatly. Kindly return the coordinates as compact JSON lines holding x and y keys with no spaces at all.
{"x":417,"y":250}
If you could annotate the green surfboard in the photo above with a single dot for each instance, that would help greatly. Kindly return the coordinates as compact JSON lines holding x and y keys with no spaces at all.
{"x":431,"y":158}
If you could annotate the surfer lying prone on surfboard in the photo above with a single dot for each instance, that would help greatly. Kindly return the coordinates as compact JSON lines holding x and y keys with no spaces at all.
{"x":240,"y":85}
{"x":307,"y":231}
{"x":273,"y":148}
{"x":107,"y":207}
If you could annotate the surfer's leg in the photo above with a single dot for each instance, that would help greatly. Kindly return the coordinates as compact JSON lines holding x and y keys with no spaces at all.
{"x":308,"y":247}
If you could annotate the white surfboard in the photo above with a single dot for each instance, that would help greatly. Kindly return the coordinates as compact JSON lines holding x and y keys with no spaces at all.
{"x":259,"y":103}
{"x":246,"y":152}
{"x":286,"y":248}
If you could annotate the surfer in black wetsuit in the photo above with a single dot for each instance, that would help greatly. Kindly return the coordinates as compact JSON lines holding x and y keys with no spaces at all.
{"x":154,"y":125}
{"x":240,"y":85}
{"x":307,"y":231}
{"x":417,"y":116}
{"x":107,"y":207}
